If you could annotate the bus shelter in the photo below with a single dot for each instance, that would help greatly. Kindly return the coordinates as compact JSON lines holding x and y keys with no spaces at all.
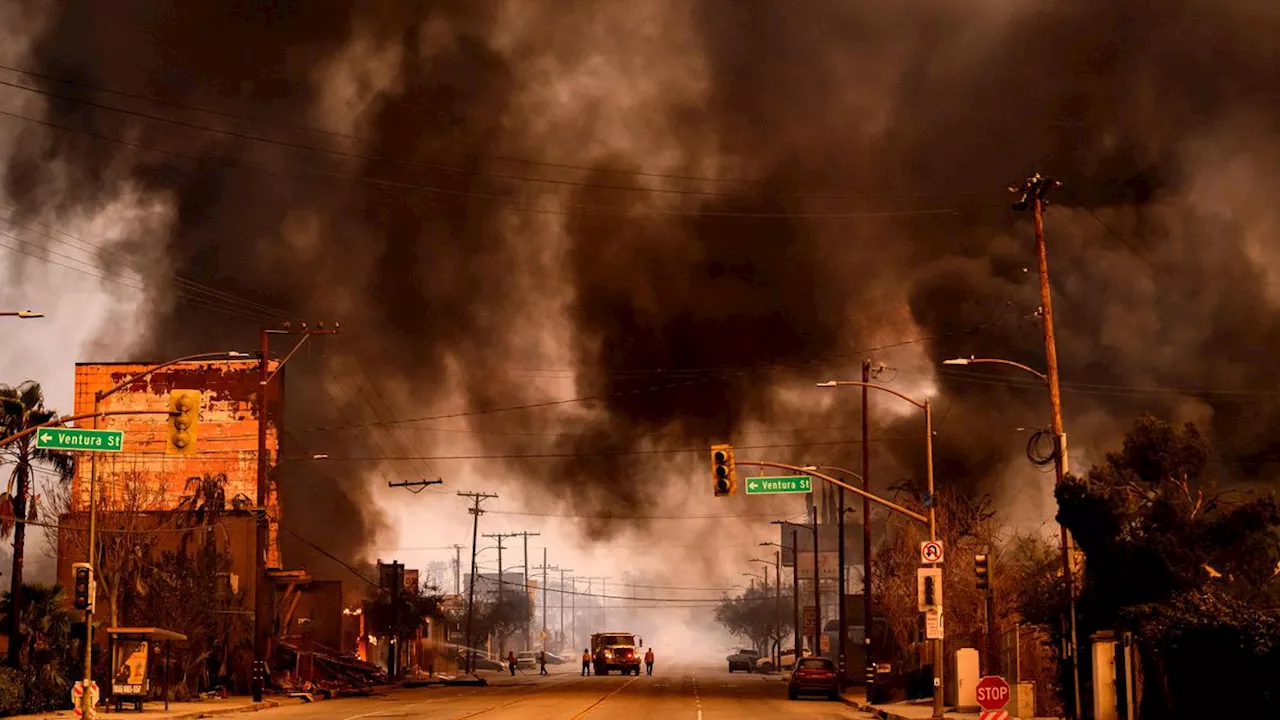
{"x":131,"y":650}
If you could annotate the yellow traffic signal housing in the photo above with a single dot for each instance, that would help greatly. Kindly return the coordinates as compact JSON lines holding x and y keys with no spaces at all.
{"x":84,"y":590}
{"x":982,"y":570}
{"x":184,"y":416}
{"x":723,"y":473}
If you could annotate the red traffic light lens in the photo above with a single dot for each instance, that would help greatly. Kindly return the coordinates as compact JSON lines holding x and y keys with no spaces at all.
{"x":720,"y":457}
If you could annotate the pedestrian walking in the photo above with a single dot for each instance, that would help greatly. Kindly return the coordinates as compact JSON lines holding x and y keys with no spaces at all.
{"x":542,"y":662}
{"x":648,"y":662}
{"x":511,"y":661}
{"x":586,"y":662}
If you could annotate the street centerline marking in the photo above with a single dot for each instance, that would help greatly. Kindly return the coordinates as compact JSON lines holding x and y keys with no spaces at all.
{"x":597,"y":703}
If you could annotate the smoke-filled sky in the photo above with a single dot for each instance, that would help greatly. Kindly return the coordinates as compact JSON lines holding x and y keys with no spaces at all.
{"x":570,"y":239}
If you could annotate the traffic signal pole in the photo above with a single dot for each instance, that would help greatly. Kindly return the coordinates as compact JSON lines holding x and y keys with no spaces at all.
{"x":722,"y":457}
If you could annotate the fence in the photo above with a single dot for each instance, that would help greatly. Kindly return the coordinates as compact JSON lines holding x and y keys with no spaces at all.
{"x":1025,"y":654}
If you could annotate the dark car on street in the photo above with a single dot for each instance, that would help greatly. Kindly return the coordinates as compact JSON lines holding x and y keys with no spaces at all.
{"x":814,"y":676}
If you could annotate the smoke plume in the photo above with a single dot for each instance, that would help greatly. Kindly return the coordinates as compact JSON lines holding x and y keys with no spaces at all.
{"x":683,"y":213}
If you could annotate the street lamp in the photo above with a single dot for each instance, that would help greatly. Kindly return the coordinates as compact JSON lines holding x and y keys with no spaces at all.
{"x":931,"y":503}
{"x":996,"y":361}
{"x":98,"y":397}
{"x":1061,"y":467}
{"x":24,"y":314}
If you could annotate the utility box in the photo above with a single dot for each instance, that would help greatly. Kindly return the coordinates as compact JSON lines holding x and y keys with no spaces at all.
{"x":1024,"y":700}
{"x":962,"y":684}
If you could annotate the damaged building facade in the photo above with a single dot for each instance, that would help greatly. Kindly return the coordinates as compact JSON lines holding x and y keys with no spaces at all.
{"x":156,"y":509}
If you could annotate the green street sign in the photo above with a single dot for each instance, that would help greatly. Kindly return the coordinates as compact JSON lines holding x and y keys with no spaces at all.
{"x":782,"y":484}
{"x":83,"y":439}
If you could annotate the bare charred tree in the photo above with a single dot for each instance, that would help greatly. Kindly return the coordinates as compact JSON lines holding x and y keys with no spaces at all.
{"x":753,"y":616}
{"x":132,"y":522}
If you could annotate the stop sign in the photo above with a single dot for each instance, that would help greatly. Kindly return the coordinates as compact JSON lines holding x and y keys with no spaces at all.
{"x":993,"y":692}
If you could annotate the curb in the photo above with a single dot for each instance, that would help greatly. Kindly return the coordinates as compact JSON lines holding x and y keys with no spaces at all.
{"x":212,"y":712}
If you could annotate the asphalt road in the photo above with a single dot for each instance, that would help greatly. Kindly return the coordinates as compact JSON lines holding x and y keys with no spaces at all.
{"x":674,"y":692}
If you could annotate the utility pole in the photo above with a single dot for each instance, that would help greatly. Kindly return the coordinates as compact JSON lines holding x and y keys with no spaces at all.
{"x":817,"y":591}
{"x":544,"y":568}
{"x":795,"y":589}
{"x":457,"y":569}
{"x":573,"y":614}
{"x":1033,"y":193}
{"x":563,"y":638}
{"x":501,"y":580}
{"x":476,"y":512}
{"x":262,"y":610}
{"x":777,"y":608}
{"x":526,"y":535}
{"x":842,"y":621}
{"x":866,"y":533}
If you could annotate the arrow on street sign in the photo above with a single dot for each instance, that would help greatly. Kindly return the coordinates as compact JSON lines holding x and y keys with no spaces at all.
{"x":82,"y":439}
{"x":781,"y":484}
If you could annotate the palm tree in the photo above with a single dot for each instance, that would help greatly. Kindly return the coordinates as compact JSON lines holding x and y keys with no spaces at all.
{"x":43,"y":617}
{"x":21,"y":408}
{"x":203,"y":507}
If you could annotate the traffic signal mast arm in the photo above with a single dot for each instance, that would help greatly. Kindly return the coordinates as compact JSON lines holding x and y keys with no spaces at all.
{"x":72,"y":418}
{"x":827,"y":478}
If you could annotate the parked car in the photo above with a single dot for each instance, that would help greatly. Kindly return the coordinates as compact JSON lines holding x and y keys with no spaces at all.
{"x":743,"y":660}
{"x":526,"y":658}
{"x":554,"y":659}
{"x":786,"y":662}
{"x":814,"y":676}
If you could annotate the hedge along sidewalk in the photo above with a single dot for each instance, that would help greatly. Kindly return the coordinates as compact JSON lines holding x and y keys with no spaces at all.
{"x":177,"y":710}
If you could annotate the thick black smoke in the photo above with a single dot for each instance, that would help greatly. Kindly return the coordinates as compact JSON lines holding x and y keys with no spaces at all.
{"x":877,"y":140}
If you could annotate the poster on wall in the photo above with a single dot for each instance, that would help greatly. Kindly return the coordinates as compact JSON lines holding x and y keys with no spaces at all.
{"x":131,"y":669}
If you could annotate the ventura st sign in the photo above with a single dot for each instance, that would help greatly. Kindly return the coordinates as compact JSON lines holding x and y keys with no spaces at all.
{"x":80,"y":439}
{"x":781,"y":484}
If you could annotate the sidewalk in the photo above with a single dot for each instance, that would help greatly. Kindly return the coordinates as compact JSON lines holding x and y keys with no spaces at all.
{"x":177,"y":710}
{"x":914,"y":710}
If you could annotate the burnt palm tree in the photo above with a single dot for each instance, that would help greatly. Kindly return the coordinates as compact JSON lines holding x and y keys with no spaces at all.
{"x":203,"y":506}
{"x":22,"y":408}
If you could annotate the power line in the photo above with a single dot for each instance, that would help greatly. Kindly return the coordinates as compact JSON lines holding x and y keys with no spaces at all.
{"x":364,"y":157}
{"x":348,"y":136}
{"x":615,"y":453}
{"x":564,"y":209}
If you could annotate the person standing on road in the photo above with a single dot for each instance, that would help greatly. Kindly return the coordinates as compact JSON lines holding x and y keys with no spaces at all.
{"x":648,"y":662}
{"x":586,"y":662}
{"x":542,"y":662}
{"x":511,"y":661}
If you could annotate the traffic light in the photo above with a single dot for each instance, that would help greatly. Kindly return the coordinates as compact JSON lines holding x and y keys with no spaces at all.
{"x":982,"y":569}
{"x":723,"y":473}
{"x":84,"y":590}
{"x":184,"y":414}
{"x":929,"y":597}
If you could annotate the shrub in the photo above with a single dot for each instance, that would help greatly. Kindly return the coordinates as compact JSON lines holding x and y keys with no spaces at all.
{"x":10,"y":691}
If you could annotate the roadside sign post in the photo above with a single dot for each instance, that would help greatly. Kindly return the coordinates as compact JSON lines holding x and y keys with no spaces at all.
{"x":80,"y":439}
{"x":779,"y":485}
{"x":993,"y":695}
